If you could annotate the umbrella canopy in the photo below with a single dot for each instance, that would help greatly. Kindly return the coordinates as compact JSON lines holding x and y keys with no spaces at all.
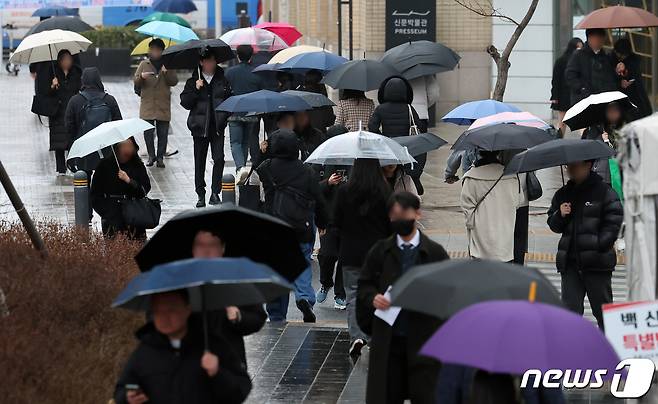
{"x":168,"y":17}
{"x":174,"y":6}
{"x":287,"y":32}
{"x":259,"y":39}
{"x":323,"y":61}
{"x":556,"y":153}
{"x":286,"y":54}
{"x":263,"y":102}
{"x":73,"y":24}
{"x":362,"y":75}
{"x":469,"y":112}
{"x":107,"y":134}
{"x":54,"y":11}
{"x":420,"y":144}
{"x":167,"y":30}
{"x":455,"y":284}
{"x":591,"y":110}
{"x":44,"y":46}
{"x":187,"y":55}
{"x":502,"y":136}
{"x":223,"y":281}
{"x":266,"y":67}
{"x":519,"y":118}
{"x":618,"y":17}
{"x":173,"y":241}
{"x":142,"y":48}
{"x":514,"y":336}
{"x":344,"y":149}
{"x":315,"y":100}
{"x":421,"y":58}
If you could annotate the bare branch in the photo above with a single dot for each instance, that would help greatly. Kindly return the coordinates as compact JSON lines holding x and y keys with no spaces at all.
{"x":519,"y":29}
{"x":485,"y":11}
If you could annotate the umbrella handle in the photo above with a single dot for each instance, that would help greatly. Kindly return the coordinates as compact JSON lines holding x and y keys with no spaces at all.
{"x":562,"y":173}
{"x":52,"y":63}
{"x":205,"y":317}
{"x":115,"y":157}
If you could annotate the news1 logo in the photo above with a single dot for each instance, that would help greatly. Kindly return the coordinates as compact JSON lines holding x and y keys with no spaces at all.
{"x":639,"y":375}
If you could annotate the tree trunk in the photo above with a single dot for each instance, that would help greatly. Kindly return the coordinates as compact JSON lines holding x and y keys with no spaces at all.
{"x":501,"y":80}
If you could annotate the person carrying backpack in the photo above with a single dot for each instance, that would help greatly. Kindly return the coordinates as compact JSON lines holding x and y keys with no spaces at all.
{"x":292,"y":193}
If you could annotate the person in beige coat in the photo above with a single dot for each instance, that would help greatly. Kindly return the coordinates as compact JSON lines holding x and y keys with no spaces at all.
{"x":489,"y":201}
{"x":399,"y":180}
{"x":153,"y":82}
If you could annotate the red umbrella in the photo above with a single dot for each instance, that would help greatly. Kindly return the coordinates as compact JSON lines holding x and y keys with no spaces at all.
{"x":618,"y":17}
{"x":287,"y":32}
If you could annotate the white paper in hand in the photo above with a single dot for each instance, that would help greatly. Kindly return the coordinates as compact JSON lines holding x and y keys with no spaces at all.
{"x":391,"y":314}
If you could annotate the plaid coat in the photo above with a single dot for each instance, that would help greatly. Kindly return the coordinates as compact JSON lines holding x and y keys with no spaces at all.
{"x":353,"y":110}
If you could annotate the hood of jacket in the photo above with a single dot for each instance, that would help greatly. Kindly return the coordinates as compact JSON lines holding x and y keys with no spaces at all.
{"x":395,"y":89}
{"x":91,"y":79}
{"x":284,"y":144}
{"x":488,"y":172}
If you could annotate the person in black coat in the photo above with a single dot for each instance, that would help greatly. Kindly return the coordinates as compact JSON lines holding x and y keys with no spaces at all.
{"x":590,"y":70}
{"x":396,"y":371}
{"x":60,"y":82}
{"x":310,"y":137}
{"x":323,"y":117}
{"x":203,"y":92}
{"x":111,"y":185}
{"x":560,"y":91}
{"x":171,"y":365}
{"x":628,"y":69}
{"x":588,"y":214}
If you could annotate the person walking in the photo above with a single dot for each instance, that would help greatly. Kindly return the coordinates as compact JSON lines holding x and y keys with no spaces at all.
{"x":154,"y":82}
{"x":203,"y":92}
{"x":590,"y":70}
{"x":292,"y":193}
{"x":243,"y":129}
{"x":560,"y":91}
{"x":608,"y":133}
{"x":310,"y":137}
{"x":588,"y":214}
{"x":361,"y":217}
{"x":112,"y":185}
{"x":60,"y":82}
{"x":396,"y":371}
{"x":354,"y":110}
{"x":398,"y":180}
{"x":323,"y":117}
{"x":489,"y":201}
{"x":172,"y":365}
{"x":628,"y":70}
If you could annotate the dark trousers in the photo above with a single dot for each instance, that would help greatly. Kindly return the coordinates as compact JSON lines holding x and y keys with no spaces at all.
{"x":327,"y":265}
{"x":417,"y":171}
{"x":60,"y":161}
{"x":162,"y":131}
{"x":521,"y":234}
{"x":596,"y":285}
{"x":201,"y":145}
{"x":397,"y":374}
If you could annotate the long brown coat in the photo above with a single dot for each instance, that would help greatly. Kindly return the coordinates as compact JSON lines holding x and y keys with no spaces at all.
{"x":155,"y":92}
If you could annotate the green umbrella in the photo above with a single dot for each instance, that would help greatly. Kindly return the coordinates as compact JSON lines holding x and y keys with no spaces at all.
{"x":168,"y":17}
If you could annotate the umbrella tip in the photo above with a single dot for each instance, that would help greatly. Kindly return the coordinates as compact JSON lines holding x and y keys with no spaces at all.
{"x":532,"y":292}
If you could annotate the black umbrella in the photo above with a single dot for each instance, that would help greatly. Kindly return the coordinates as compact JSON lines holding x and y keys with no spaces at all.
{"x":502,"y":136}
{"x":422,"y":69}
{"x":420,"y":144}
{"x":250,"y":234}
{"x":431,"y":57}
{"x":187,"y":54}
{"x":443,"y":288}
{"x":556,"y":153}
{"x":316,"y":100}
{"x":74,"y":24}
{"x":362,"y":75}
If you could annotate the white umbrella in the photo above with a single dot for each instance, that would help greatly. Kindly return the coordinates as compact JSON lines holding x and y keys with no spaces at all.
{"x":44,"y":46}
{"x":288,"y":53}
{"x":591,"y":110}
{"x":344,"y":149}
{"x":107,"y":134}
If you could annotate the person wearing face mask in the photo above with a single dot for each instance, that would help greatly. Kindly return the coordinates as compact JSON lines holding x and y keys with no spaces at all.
{"x":396,"y":372}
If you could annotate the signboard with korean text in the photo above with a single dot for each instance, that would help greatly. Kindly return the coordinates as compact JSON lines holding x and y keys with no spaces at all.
{"x":632,"y":329}
{"x":410,"y":20}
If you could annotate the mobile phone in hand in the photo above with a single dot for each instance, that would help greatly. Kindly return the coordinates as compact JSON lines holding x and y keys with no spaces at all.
{"x":134,"y":387}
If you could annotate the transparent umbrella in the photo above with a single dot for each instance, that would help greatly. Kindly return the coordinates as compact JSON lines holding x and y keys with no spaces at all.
{"x":259,"y":39}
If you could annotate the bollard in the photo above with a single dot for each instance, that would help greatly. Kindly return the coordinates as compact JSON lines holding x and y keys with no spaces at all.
{"x":81,"y":198}
{"x":228,"y":188}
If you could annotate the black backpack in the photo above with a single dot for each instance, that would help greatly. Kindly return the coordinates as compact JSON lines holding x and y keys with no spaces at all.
{"x":295,"y":207}
{"x":95,"y":112}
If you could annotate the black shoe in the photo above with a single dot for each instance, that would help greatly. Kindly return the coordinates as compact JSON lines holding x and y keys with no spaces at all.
{"x":160,"y":164}
{"x":171,"y":153}
{"x":356,"y":347}
{"x":201,"y":203}
{"x":307,"y":310}
{"x":150,"y":163}
{"x":214,"y":199}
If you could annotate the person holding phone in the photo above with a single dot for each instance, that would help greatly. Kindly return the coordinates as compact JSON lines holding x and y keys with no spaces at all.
{"x":630,"y":74}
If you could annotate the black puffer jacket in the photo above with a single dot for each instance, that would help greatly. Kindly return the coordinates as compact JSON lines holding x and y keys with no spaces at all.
{"x":202,"y":103}
{"x":391,"y":117}
{"x":590,"y":73}
{"x":590,"y":231}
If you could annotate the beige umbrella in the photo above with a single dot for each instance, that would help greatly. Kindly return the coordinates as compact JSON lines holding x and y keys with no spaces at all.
{"x":288,"y":53}
{"x":44,"y":46}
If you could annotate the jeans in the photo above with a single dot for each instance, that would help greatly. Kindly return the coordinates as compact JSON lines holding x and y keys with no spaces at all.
{"x":350,"y":279}
{"x":201,"y":144}
{"x":278,"y":308}
{"x":162,"y":131}
{"x":60,"y":161}
{"x":597,"y":285}
{"x":244,"y":140}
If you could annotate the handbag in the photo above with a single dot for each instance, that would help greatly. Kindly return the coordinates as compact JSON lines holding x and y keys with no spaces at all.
{"x":413,"y":128}
{"x":45,"y":105}
{"x":249,"y":195}
{"x":141,"y":213}
{"x":533,"y":186}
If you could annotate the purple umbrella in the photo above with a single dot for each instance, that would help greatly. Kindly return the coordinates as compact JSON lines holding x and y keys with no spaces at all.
{"x":507,"y":336}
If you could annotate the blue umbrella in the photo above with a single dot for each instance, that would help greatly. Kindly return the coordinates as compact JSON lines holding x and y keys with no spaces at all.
{"x":167,"y":30}
{"x":323,"y":61}
{"x":174,"y":6}
{"x":468,"y":113}
{"x":263,"y":102}
{"x":53,"y":11}
{"x":267,"y":67}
